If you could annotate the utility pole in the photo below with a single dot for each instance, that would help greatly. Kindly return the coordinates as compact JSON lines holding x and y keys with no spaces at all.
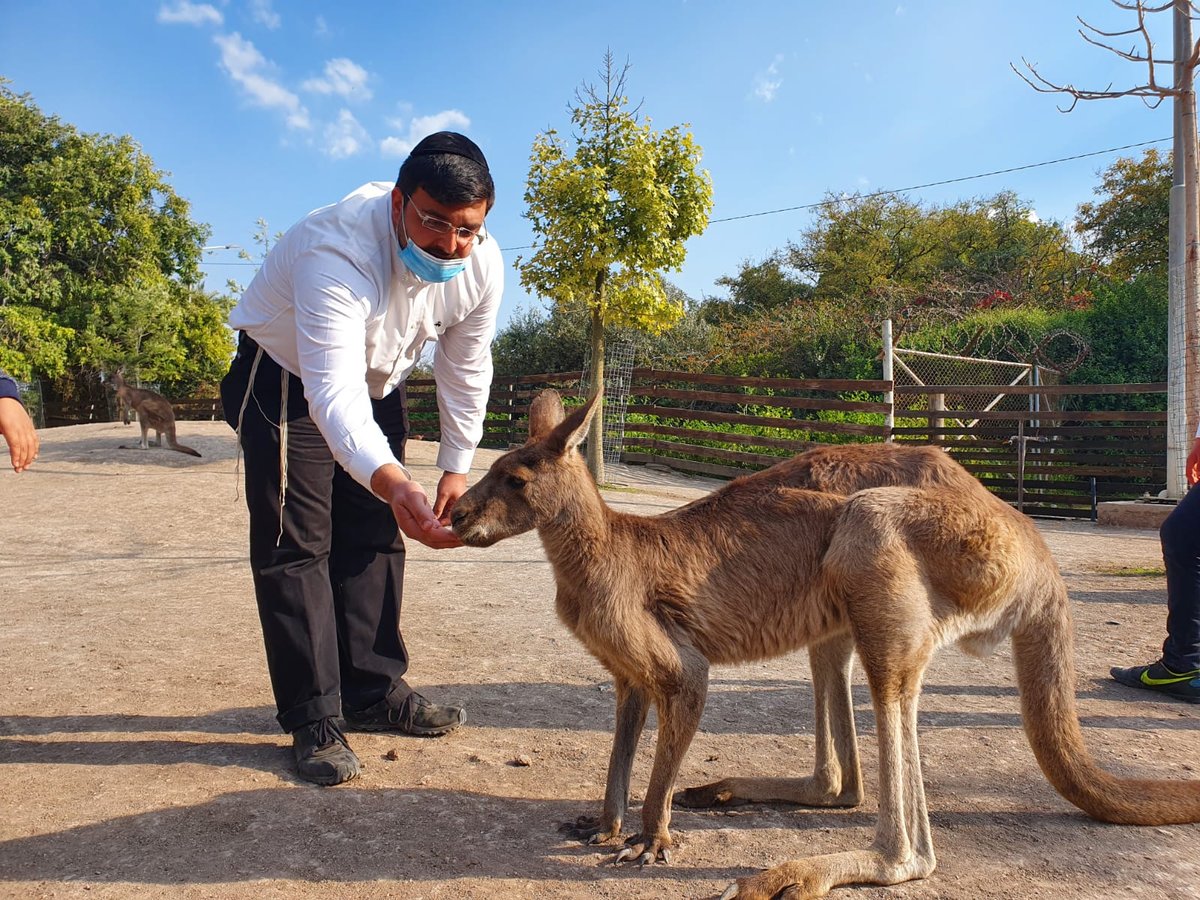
{"x":1177,"y":425}
{"x":1183,"y":352}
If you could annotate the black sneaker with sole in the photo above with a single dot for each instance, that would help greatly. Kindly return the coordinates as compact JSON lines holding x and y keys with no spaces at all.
{"x":322,"y":754}
{"x":415,"y":716}
{"x":1157,"y":677}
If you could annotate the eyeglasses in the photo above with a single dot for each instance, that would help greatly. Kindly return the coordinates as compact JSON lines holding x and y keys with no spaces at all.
{"x":441,"y":226}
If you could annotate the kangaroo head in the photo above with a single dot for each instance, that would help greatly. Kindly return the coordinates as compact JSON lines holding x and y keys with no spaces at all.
{"x":117,"y":379}
{"x":528,"y":487}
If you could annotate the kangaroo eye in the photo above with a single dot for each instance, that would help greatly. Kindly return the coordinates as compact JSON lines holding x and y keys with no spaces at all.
{"x":516,"y":482}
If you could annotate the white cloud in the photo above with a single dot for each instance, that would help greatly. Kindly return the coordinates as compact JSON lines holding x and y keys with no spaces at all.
{"x":251,"y":71}
{"x":768,"y":82}
{"x":343,"y":77}
{"x":321,"y":27}
{"x":346,"y":136}
{"x":1032,"y":217}
{"x":264,"y":14}
{"x":186,"y":13}
{"x":419,"y":127}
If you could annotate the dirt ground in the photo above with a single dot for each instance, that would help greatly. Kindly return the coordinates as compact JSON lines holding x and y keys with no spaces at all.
{"x":139,"y":755}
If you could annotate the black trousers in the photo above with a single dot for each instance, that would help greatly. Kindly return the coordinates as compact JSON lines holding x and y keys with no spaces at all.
{"x":328,"y":562}
{"x":1180,"y":535}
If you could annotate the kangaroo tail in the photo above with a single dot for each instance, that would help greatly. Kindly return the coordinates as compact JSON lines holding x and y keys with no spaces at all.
{"x":182,"y":449}
{"x":1042,"y":651}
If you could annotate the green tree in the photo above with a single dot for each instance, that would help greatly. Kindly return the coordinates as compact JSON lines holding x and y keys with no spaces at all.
{"x":610,"y":216}
{"x":536,"y":341}
{"x":1126,"y":330}
{"x":757,"y":287}
{"x":895,"y":253}
{"x":1128,"y":228}
{"x":99,"y":262}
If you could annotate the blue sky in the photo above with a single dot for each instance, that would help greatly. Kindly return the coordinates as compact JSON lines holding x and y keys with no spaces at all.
{"x":267,"y":109}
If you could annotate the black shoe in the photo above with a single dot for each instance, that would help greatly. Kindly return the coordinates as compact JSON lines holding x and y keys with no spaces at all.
{"x":322,"y":754}
{"x":415,"y":716}
{"x":1157,"y":677}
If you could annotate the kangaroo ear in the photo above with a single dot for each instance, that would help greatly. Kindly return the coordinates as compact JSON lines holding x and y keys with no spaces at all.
{"x":574,"y":428}
{"x":545,"y":412}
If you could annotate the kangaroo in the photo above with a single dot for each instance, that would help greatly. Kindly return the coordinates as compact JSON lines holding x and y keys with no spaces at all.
{"x":761,"y":567}
{"x":153,"y":411}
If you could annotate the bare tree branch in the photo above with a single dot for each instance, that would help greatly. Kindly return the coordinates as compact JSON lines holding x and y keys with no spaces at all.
{"x":1152,"y":93}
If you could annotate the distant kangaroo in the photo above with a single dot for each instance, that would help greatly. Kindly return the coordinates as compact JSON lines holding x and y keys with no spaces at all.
{"x":153,"y":411}
{"x":761,"y":567}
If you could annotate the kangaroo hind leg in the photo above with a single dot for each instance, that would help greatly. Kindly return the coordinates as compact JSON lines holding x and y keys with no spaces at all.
{"x":890,"y":613}
{"x":836,"y":780}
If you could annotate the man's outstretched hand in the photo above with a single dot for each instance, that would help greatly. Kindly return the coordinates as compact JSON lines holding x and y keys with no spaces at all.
{"x":410,"y":505}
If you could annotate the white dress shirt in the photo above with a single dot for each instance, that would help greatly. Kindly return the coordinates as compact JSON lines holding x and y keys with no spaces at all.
{"x":333,"y":304}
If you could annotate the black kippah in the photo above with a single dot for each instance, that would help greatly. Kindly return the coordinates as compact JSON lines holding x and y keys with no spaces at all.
{"x":449,"y":142}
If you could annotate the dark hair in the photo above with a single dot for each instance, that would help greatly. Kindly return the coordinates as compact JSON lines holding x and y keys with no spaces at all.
{"x":451,"y":169}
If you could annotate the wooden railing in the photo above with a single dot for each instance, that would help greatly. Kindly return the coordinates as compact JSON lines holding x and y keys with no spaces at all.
{"x":507,"y":408}
{"x":1050,"y":461}
{"x":727,"y":426}
{"x":1047,"y":461}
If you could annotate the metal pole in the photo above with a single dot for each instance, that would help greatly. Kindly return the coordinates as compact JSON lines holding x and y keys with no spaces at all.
{"x":1020,"y":465}
{"x":1191,"y":365}
{"x":1176,"y":294}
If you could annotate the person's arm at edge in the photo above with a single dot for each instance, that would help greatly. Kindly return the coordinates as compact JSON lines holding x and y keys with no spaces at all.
{"x":16,"y":426}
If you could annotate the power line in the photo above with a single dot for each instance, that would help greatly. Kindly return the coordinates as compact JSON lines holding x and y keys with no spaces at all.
{"x":917,"y":187}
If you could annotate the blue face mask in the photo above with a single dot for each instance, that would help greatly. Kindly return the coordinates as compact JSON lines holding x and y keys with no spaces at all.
{"x":428,"y":267}
{"x":425,"y":265}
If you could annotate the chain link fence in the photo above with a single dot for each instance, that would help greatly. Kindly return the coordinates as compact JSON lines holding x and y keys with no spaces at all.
{"x":618,"y":375}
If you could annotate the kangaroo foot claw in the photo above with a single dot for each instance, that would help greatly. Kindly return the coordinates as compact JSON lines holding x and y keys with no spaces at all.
{"x":590,"y":830}
{"x":645,"y":852}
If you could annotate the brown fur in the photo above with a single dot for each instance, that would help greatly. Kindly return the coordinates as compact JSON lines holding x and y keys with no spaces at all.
{"x":153,"y":411}
{"x":766,"y":565}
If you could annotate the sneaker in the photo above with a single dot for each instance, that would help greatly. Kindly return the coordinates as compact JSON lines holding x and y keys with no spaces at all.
{"x":415,"y":716}
{"x":322,"y":754}
{"x":1157,"y":677}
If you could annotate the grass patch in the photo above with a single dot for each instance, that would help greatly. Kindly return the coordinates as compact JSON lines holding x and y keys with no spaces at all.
{"x":1132,"y":571}
{"x":619,"y":488}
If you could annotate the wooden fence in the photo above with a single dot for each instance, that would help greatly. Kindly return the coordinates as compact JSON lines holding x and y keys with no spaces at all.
{"x":725,"y":426}
{"x":507,"y":408}
{"x":1051,"y":460}
{"x":193,"y":409}
{"x":1048,"y":461}
{"x":1046,"y":458}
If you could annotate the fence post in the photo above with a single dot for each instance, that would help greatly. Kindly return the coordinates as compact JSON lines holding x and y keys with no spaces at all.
{"x":937,"y":403}
{"x":512,"y":416}
{"x":889,"y":396}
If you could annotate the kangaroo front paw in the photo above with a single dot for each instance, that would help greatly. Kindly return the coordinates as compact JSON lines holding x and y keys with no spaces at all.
{"x":591,"y":830}
{"x":645,"y":851}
